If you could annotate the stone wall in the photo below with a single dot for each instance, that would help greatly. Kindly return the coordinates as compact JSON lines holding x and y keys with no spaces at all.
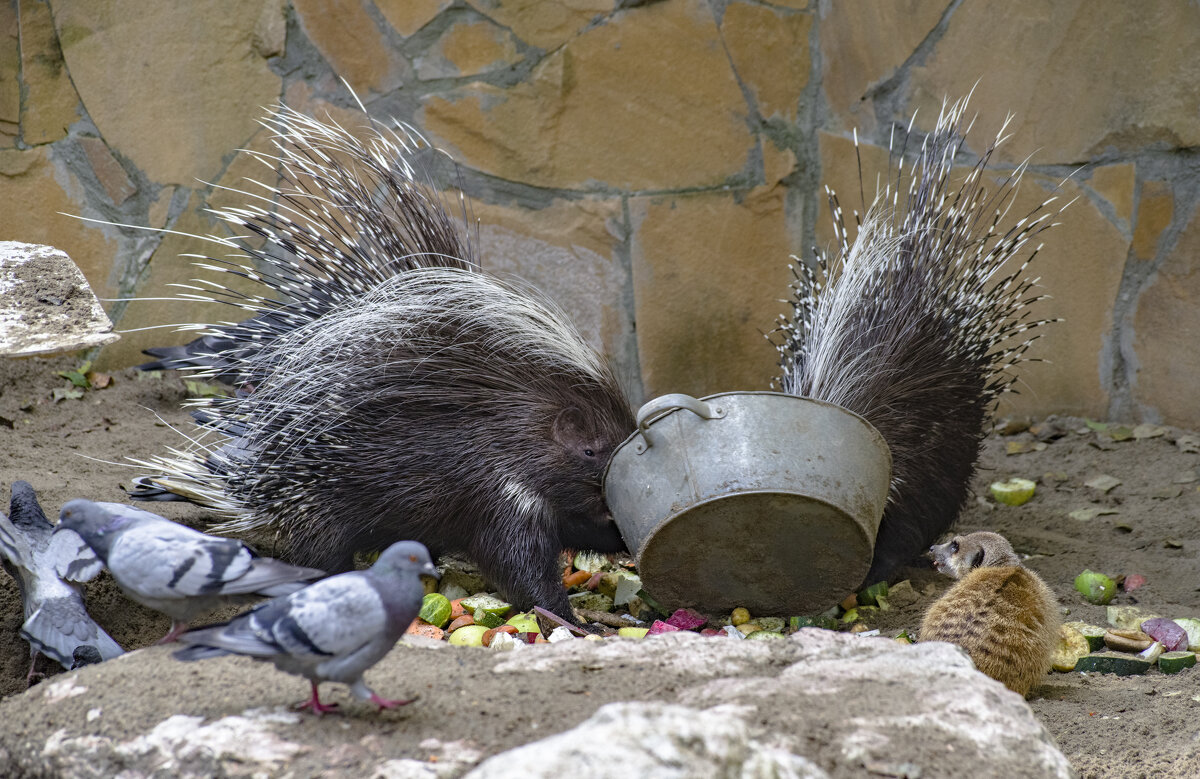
{"x":649,"y":164}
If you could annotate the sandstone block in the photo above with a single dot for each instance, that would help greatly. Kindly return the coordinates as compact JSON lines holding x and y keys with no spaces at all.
{"x":181,"y":126}
{"x":1156,"y":206}
{"x":546,"y":24}
{"x":51,"y":105}
{"x":108,"y":171}
{"x":708,"y":270}
{"x":1166,"y":329}
{"x":35,"y":202}
{"x":408,"y":16}
{"x":1035,"y":56}
{"x":1115,"y":184}
{"x":645,"y":101}
{"x":350,"y":42}
{"x":467,"y":49}
{"x":10,"y":68}
{"x":769,"y":49}
{"x":863,"y":42}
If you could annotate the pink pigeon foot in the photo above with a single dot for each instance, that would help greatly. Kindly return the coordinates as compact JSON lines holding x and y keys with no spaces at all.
{"x":177,"y":629}
{"x":314,"y":704}
{"x":387,"y":703}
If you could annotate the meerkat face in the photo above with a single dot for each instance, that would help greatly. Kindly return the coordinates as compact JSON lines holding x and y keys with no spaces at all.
{"x":962,"y":554}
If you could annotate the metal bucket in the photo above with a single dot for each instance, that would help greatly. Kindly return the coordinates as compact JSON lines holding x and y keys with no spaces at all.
{"x":757,"y":499}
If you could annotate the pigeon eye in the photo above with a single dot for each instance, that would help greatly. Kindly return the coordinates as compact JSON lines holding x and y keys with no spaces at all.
{"x":412,"y":558}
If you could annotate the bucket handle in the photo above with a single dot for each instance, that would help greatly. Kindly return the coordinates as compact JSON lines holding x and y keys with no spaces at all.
{"x":660,"y":407}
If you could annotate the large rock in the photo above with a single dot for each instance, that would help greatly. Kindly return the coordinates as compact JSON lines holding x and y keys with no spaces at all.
{"x":819,"y":704}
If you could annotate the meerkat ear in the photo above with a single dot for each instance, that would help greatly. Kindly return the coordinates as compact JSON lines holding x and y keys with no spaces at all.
{"x":978,"y":559}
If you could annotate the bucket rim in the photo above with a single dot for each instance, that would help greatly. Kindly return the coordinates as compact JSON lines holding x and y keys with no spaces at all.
{"x":887,"y":450}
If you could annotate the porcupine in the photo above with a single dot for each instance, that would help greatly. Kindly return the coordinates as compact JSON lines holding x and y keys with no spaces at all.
{"x":389,"y":388}
{"x":916,"y":325}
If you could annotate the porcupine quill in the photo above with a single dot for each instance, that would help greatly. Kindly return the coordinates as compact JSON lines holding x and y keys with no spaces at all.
{"x":916,"y":326}
{"x":389,"y":388}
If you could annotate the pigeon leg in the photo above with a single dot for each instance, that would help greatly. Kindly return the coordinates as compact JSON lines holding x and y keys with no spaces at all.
{"x":32,"y":675}
{"x":387,"y":703}
{"x":314,"y":704}
{"x":177,"y":629}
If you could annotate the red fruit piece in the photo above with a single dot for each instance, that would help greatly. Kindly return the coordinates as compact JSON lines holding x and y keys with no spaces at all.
{"x":661,"y":627}
{"x":686,"y":619}
{"x":1166,"y":632}
{"x":1133,"y":581}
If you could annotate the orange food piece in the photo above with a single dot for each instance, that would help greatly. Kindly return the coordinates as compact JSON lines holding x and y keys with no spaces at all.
{"x":420,"y":627}
{"x":576,"y":579}
{"x":458,"y":622}
{"x":456,"y":608}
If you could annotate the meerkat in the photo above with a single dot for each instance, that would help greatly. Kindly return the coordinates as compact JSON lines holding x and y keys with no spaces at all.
{"x":1000,"y":612}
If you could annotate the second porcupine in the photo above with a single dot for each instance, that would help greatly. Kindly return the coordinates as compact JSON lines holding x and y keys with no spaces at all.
{"x":915,"y":327}
{"x":390,"y":389}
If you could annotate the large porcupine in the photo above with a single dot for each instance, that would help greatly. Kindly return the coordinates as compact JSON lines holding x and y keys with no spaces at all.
{"x":915,"y":326}
{"x":389,"y":389}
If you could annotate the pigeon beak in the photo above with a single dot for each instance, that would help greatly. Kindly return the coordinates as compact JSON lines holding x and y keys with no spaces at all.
{"x":428,"y":569}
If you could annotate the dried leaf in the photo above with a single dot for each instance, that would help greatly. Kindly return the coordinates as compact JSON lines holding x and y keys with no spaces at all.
{"x":1103,"y":482}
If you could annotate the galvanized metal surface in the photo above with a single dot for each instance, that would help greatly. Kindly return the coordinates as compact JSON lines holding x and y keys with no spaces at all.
{"x":772,"y":504}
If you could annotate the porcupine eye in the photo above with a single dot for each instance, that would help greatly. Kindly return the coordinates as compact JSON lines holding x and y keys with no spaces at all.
{"x":588,"y":453}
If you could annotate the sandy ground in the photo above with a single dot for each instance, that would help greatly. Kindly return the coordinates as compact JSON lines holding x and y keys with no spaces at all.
{"x":1107,"y":726}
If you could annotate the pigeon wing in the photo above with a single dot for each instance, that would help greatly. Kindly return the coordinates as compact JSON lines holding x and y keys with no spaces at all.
{"x":71,"y":558}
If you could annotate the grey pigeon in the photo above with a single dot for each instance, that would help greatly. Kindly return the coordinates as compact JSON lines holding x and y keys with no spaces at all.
{"x":333,"y":630}
{"x":174,"y":569}
{"x":48,"y":567}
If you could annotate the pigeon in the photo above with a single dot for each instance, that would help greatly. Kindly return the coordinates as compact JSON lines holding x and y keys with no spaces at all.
{"x":333,"y":630}
{"x":48,"y":568}
{"x":173,"y":569}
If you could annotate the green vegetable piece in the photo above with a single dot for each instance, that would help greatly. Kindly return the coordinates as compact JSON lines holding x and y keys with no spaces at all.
{"x":1117,"y":663}
{"x":1191,"y":626}
{"x":1095,"y":587}
{"x":1093,"y":634}
{"x":525,"y":623}
{"x":1174,"y":662}
{"x":487,"y":619}
{"x":487,"y":603}
{"x":765,"y":635}
{"x":468,"y":635}
{"x":870,"y":595}
{"x":435,"y":609}
{"x":1013,"y":492}
{"x":632,"y":632}
{"x":773,"y":624}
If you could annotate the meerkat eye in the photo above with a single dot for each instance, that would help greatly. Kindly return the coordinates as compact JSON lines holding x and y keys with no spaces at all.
{"x":954,"y":547}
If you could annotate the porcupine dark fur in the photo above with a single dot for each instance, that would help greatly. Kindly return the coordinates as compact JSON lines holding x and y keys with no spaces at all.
{"x":391,"y":389}
{"x":916,"y":325}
